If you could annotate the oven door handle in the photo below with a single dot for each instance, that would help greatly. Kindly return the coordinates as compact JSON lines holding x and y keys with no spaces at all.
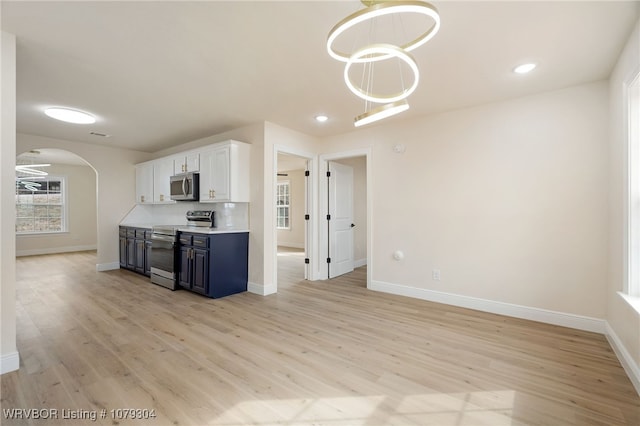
{"x":162,"y":238}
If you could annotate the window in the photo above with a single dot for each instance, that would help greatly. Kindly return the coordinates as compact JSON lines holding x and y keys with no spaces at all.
{"x":633,"y":120}
{"x":40,"y":205}
{"x":282,"y":205}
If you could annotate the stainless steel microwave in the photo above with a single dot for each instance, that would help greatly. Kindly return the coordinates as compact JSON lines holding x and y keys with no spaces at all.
{"x":185,"y":187}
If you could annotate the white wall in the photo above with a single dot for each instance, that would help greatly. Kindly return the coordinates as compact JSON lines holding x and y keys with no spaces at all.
{"x":116,"y":187}
{"x":508,"y":200}
{"x":624,"y":321}
{"x":294,"y":236}
{"x":82,"y":215}
{"x":9,"y":360}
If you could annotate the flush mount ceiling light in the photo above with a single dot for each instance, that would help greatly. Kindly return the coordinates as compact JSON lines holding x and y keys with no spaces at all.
{"x":373,"y":52}
{"x":524,"y":68}
{"x":321,"y":118}
{"x":70,"y":115}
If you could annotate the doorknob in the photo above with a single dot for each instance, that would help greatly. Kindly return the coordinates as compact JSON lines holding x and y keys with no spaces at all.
{"x":353,"y":225}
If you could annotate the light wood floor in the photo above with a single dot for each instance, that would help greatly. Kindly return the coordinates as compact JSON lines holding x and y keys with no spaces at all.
{"x":328,"y":352}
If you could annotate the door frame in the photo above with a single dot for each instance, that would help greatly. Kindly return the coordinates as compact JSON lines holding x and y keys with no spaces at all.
{"x":311,"y":195}
{"x":323,"y":246}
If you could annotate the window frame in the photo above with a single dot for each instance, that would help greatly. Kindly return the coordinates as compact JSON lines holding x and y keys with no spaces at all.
{"x":286,"y":207}
{"x":64,"y":208}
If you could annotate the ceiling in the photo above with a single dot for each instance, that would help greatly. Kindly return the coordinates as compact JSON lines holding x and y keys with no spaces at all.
{"x":159,"y":74}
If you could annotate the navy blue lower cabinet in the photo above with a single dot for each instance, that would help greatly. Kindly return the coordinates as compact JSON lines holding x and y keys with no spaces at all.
{"x":215,"y":265}
{"x":135,"y":247}
{"x":184,"y":267}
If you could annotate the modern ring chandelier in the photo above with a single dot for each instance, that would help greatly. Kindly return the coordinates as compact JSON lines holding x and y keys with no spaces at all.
{"x":371,"y":53}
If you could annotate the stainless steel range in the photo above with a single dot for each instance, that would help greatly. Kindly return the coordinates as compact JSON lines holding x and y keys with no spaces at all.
{"x":164,"y":247}
{"x":163,"y":255}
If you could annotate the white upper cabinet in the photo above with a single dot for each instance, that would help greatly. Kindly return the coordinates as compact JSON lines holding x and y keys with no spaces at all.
{"x":186,"y":163}
{"x":144,"y":183}
{"x":162,"y":171}
{"x":224,"y":173}
{"x":214,"y":177}
{"x":223,"y":167}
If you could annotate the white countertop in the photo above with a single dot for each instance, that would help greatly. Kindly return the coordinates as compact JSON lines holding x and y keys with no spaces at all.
{"x":137,"y":225}
{"x":185,"y":228}
{"x":204,"y":230}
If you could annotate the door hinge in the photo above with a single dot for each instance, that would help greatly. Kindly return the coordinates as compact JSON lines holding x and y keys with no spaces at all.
{"x":306,"y":173}
{"x":328,"y":174}
{"x":328,"y":260}
{"x":306,"y":217}
{"x":306,"y":260}
{"x":328,"y":217}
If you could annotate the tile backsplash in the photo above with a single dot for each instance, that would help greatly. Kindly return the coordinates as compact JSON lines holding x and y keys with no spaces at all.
{"x":229,"y":216}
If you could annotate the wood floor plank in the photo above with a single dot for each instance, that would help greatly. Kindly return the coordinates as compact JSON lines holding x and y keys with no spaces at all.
{"x":325,"y":352}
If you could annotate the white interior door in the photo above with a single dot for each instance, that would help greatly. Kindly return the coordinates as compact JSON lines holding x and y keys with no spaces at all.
{"x":341,"y":222}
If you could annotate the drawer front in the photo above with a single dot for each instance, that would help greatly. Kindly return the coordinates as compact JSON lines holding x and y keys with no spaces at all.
{"x":131,"y":232}
{"x":200,"y":241}
{"x":147,"y":234}
{"x":185,"y":239}
{"x":140,"y":233}
{"x":123,"y":231}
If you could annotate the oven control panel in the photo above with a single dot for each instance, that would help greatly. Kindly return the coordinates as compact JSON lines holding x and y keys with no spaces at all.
{"x":201,"y":218}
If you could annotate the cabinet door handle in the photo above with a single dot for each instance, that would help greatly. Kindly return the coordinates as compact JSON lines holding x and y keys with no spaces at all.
{"x":142,"y":198}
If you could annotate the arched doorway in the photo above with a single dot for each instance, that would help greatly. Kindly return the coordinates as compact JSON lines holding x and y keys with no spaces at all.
{"x":56,"y":202}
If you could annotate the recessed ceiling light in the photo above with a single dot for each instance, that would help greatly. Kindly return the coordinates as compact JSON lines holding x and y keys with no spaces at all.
{"x":524,"y":68}
{"x":321,"y":118}
{"x":70,"y":115}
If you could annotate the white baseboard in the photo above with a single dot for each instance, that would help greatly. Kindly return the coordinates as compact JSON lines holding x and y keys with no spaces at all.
{"x":517,"y":311}
{"x":630,"y":367}
{"x":260,"y":289}
{"x":292,"y":245}
{"x":54,"y":250}
{"x":9,"y":362}
{"x":101,"y":267}
{"x":360,"y":262}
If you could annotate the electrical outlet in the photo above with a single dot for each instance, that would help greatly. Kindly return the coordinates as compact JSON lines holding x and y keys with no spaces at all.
{"x":435,"y":274}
